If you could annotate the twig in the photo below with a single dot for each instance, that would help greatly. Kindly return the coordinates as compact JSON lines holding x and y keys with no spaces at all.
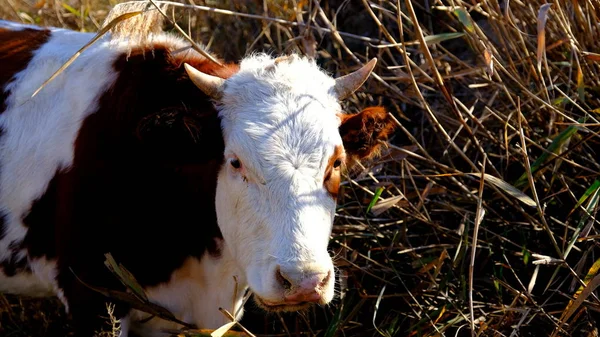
{"x":480,"y":213}
{"x":265,"y":18}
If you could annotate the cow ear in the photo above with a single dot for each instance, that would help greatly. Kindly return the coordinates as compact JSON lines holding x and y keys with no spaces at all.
{"x":363,"y":133}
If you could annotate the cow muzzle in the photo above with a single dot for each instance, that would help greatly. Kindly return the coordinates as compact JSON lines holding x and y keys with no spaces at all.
{"x":299,"y":287}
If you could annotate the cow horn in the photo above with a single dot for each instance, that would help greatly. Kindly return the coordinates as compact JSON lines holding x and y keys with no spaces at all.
{"x":348,"y":84}
{"x":210,"y":85}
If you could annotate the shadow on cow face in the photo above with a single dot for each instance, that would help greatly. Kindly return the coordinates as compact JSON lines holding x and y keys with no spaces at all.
{"x":285,"y":145}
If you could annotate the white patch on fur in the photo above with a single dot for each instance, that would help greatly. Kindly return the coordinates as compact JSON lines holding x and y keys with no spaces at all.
{"x":280,"y":120}
{"x":124,"y":326}
{"x":37,"y":141}
{"x":46,"y":272}
{"x":194,"y":295}
{"x":24,"y":283}
{"x":61,"y":296}
{"x":39,"y":133}
{"x":40,"y":282}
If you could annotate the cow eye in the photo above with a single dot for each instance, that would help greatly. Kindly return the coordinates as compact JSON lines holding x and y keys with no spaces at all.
{"x":337,"y":163}
{"x":235,"y":163}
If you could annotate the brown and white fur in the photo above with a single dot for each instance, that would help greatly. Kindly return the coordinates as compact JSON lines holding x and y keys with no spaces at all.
{"x":197,"y":178}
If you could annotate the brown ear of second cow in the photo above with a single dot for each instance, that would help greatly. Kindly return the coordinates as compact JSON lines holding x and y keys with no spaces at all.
{"x":362,"y":133}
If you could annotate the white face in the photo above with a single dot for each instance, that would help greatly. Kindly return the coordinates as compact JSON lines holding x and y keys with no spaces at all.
{"x":275,"y":201}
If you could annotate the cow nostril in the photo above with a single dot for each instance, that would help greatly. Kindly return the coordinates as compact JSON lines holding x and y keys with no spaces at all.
{"x":282,"y":280}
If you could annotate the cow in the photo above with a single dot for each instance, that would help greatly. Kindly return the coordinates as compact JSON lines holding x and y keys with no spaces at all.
{"x":204,"y":180}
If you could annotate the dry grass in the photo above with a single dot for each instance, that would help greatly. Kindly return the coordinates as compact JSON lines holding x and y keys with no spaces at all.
{"x":424,"y":245}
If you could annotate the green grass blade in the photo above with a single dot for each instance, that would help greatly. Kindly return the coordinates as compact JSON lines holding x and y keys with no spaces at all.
{"x":71,"y":9}
{"x":593,"y":201}
{"x":334,"y":326}
{"x":125,"y":277}
{"x":437,"y":38}
{"x":554,"y":148}
{"x":375,"y":198}
{"x":591,"y":190}
{"x":465,"y":19}
{"x":508,"y":188}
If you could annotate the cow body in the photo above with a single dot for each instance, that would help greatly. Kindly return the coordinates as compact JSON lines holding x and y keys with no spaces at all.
{"x":199,"y":195}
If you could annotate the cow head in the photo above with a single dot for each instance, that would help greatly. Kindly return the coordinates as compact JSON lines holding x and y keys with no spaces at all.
{"x":286,"y":141}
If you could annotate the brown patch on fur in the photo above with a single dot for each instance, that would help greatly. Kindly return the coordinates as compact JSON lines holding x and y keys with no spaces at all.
{"x":16,"y":50}
{"x":142,"y":184}
{"x":190,"y":271}
{"x":333,"y":175}
{"x":198,"y":61}
{"x":185,"y":271}
{"x":362,"y":133}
